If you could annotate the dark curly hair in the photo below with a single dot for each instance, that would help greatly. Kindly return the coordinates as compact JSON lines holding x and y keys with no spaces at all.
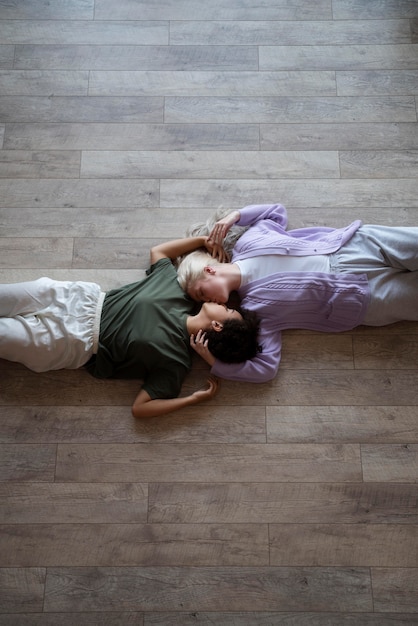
{"x":237,"y":341}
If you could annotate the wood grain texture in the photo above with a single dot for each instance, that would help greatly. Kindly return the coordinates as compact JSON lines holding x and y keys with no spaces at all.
{"x":290,"y":502}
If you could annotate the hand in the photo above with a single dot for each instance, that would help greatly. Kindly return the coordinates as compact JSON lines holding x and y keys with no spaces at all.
{"x":219,"y":231}
{"x":199,"y":343}
{"x":217,"y":251}
{"x":206,"y":394}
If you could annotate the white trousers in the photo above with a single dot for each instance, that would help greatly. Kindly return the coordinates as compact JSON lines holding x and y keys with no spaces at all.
{"x":389,"y":257}
{"x":48,"y":324}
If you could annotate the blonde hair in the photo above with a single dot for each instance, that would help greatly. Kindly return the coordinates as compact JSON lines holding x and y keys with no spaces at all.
{"x":190,"y":268}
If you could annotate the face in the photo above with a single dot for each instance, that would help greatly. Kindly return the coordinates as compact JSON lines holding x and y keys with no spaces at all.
{"x":220,"y":312}
{"x":210,"y":288}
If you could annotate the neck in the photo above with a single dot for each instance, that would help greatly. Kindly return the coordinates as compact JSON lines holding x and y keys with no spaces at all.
{"x":232,"y":275}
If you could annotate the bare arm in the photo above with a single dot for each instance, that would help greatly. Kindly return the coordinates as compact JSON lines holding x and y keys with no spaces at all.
{"x":176,"y":247}
{"x":145,"y":406}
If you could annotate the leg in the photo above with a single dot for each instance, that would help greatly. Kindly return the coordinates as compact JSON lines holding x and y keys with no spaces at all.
{"x":389,"y":258}
{"x":26,"y":297}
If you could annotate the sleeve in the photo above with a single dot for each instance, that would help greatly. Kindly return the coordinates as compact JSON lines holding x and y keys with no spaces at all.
{"x":256,"y":212}
{"x":262,"y":368}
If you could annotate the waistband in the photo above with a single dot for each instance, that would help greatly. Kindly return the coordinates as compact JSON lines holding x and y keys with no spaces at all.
{"x":96,"y":323}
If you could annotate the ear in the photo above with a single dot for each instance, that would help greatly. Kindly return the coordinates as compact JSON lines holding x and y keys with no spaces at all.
{"x":209,"y":269}
{"x":218,"y":326}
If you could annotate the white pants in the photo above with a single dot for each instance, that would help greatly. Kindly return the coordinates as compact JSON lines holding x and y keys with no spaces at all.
{"x":389,"y":257}
{"x":48,"y":324}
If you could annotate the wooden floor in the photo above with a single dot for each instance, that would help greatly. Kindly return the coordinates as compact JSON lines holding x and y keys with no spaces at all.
{"x":293,"y":502}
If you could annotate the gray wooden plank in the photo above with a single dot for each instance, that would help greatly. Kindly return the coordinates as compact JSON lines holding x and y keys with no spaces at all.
{"x":38,"y":82}
{"x":113,"y":618}
{"x":340,"y":136}
{"x":390,"y":462}
{"x":39,"y":164}
{"x":57,"y":503}
{"x":209,"y":164}
{"x":207,"y":462}
{"x":128,"y":545}
{"x":342,"y":57}
{"x":395,"y":589}
{"x":207,"y":83}
{"x":334,"y":194}
{"x":368,"y":424}
{"x":78,"y":193}
{"x":78,"y":31}
{"x":337,"y":545}
{"x":99,"y":222}
{"x":375,"y":82}
{"x":125,"y":136}
{"x":196,"y":589}
{"x":6,"y":56}
{"x":218,"y":9}
{"x":39,"y":9}
{"x":387,"y":352}
{"x":80,"y":109}
{"x":134,"y":58}
{"x":289,"y":110}
{"x":44,"y":424}
{"x":291,"y":33}
{"x":283,"y":503}
{"x":346,"y":9}
{"x":27,"y":462}
{"x":379,"y":164}
{"x":264,"y":618}
{"x":40,"y":252}
{"x":22,"y":589}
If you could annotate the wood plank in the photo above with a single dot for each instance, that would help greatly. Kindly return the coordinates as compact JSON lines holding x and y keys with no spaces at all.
{"x":207,"y":462}
{"x":46,"y":424}
{"x":213,"y":164}
{"x":346,"y":9}
{"x":133,"y":545}
{"x":356,"y":424}
{"x":395,"y":589}
{"x":386,"y":352}
{"x":37,"y":83}
{"x":390,"y":462}
{"x":267,"y":618}
{"x":207,"y":83}
{"x":77,"y":193}
{"x":6,"y":56}
{"x":41,"y":252}
{"x":290,"y":110}
{"x":60,"y":9}
{"x":281,"y":503}
{"x":27,"y":462}
{"x":123,"y":136}
{"x":218,"y":9}
{"x":340,"y":136}
{"x":379,"y":164}
{"x":374,"y":82}
{"x":34,"y":503}
{"x":352,"y":57}
{"x":290,"y":33}
{"x":135,"y":57}
{"x":313,"y":351}
{"x":63,"y":109}
{"x":114,"y":618}
{"x":199,"y":588}
{"x":341,"y":545}
{"x":334,"y":194}
{"x":22,"y":589}
{"x":78,"y":31}
{"x":39,"y":164}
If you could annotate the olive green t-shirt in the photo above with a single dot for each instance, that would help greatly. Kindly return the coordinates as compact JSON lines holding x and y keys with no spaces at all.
{"x":143,"y":333}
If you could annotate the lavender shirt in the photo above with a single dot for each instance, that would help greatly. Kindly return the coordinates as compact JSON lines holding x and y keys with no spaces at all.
{"x":309,"y":300}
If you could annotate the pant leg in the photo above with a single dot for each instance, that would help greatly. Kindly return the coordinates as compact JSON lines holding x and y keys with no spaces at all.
{"x":47,"y":324}
{"x":389,"y":258}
